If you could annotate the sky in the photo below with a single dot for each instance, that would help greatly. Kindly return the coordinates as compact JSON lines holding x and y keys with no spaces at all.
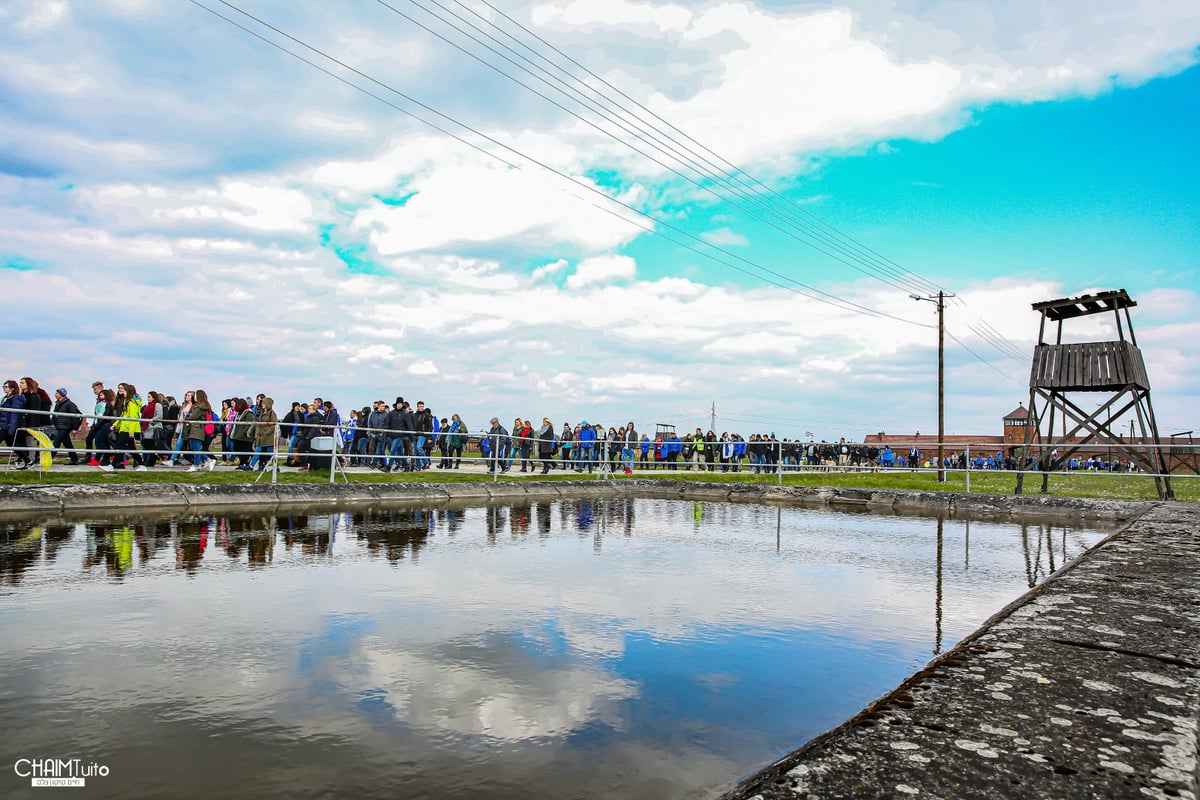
{"x":597,"y":209}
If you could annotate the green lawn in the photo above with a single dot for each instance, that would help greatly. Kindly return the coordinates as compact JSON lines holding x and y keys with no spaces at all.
{"x":1123,"y":487}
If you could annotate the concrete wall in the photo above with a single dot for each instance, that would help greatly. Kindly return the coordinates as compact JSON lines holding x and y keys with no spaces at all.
{"x":129,"y":498}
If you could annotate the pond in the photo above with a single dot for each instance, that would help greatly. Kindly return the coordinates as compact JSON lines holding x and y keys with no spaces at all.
{"x":567,"y":649}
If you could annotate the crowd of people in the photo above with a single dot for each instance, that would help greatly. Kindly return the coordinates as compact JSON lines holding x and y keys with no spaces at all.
{"x":128,"y":430}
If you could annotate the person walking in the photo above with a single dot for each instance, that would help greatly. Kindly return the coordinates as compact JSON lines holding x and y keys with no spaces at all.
{"x":37,"y":415}
{"x":629,"y":444}
{"x":566,"y":443}
{"x":498,"y":444}
{"x":128,"y":410}
{"x":545,"y":439}
{"x":456,"y":439}
{"x":103,"y":427}
{"x":198,"y":428}
{"x":266,"y":433}
{"x":153,"y":432}
{"x":10,"y":419}
{"x":180,"y":440}
{"x":423,"y":428}
{"x":66,"y":420}
{"x":242,"y":435}
{"x":586,"y":442}
{"x":89,"y":444}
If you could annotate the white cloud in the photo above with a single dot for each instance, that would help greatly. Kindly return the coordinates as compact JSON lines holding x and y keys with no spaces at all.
{"x":465,"y":204}
{"x":424,"y":367}
{"x":725,"y":237}
{"x":547,"y":270}
{"x":633,"y":383}
{"x":256,"y":206}
{"x":40,"y":17}
{"x":375,"y":352}
{"x":755,"y":343}
{"x":602,"y":269}
{"x":324,"y":122}
{"x":756,"y":84}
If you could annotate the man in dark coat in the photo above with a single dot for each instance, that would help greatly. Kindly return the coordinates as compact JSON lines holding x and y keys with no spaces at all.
{"x":498,"y":436}
{"x":67,"y":420}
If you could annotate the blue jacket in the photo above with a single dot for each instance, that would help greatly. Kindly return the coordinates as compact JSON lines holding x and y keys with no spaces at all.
{"x":587,"y":437}
{"x":10,"y":416}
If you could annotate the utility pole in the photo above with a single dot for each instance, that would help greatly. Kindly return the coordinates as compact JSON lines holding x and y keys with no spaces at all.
{"x":712,"y":420}
{"x":940,"y":299}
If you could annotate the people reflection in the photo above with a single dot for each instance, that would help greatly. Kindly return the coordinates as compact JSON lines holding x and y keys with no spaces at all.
{"x":519,"y":520}
{"x":494,"y":518}
{"x":114,"y":549}
{"x":21,"y":548}
{"x":396,"y":535}
{"x":190,"y":543}
{"x":55,"y":537}
{"x":585,"y":514}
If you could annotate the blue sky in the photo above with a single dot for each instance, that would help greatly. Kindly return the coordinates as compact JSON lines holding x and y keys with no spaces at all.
{"x":185,"y":206}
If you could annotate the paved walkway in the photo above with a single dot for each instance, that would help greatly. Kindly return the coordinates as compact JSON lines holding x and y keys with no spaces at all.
{"x":1088,"y":687}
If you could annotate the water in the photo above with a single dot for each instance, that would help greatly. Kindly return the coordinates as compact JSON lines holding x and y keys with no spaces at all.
{"x":574,"y":649}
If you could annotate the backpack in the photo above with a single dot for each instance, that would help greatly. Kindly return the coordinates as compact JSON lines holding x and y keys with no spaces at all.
{"x":74,"y":409}
{"x":210,"y":428}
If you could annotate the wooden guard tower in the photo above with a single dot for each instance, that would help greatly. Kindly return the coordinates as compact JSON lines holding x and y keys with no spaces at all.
{"x":1061,"y":369}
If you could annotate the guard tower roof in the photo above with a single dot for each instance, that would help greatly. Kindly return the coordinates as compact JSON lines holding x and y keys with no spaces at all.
{"x":1085,"y":304}
{"x":1020,"y":412}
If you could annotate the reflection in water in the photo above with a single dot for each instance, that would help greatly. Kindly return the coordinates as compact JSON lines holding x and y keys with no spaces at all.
{"x":603,"y":648}
{"x":396,"y":535}
{"x":937,"y":614}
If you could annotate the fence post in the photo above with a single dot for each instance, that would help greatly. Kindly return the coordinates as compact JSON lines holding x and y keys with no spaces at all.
{"x":968,"y":457}
{"x":779,"y":463}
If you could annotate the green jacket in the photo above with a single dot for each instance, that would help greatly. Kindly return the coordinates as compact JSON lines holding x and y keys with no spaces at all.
{"x":131,"y":419}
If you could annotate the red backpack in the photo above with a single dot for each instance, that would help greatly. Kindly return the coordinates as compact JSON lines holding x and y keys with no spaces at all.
{"x":210,"y":428}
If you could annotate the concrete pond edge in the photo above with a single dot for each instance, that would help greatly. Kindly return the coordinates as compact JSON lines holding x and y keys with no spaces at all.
{"x":167,"y":497}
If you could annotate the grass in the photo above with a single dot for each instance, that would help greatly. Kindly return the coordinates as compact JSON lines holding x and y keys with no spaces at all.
{"x":1092,"y":485}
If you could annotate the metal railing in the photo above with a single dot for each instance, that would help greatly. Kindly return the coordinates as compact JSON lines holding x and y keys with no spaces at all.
{"x":341,"y":446}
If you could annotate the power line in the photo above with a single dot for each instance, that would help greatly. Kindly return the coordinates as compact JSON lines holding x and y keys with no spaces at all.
{"x":987,"y":334}
{"x":735,"y":171}
{"x":621,"y":124}
{"x":806,"y":290}
{"x":990,"y":365}
{"x":880,"y":267}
